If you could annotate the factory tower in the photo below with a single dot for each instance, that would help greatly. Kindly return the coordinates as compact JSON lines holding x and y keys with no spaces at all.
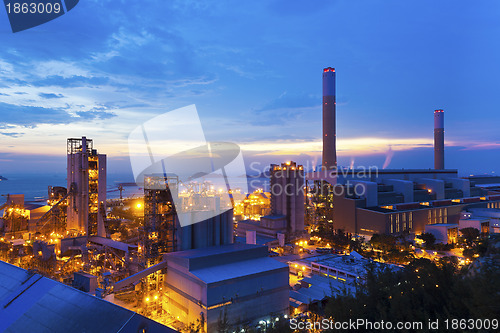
{"x":329,"y":131}
{"x":439,"y":139}
{"x":87,"y":181}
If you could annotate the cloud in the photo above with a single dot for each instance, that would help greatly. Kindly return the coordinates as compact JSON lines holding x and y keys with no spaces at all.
{"x":291,"y":101}
{"x":11,"y":134}
{"x":91,"y":115}
{"x":31,"y":116}
{"x":49,"y":96}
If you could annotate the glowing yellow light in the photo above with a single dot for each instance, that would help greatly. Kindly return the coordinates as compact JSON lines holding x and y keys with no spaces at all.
{"x":156,"y":296}
{"x":147,"y":299}
{"x":139,"y":205}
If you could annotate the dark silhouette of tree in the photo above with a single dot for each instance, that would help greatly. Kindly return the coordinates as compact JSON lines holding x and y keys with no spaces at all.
{"x":420,"y":292}
{"x":281,"y":325}
{"x":429,"y":239}
{"x":383,"y":242}
{"x":469,"y":234}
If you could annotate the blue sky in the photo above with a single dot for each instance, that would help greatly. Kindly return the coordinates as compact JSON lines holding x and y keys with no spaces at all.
{"x":253,"y":69}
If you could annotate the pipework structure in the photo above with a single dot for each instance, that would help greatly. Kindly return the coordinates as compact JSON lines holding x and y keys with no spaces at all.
{"x":439,"y":139}
{"x":329,"y":121}
{"x":160,"y":218}
{"x":86,"y":176}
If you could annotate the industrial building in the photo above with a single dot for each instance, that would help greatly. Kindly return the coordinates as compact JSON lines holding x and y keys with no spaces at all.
{"x":368,"y":201}
{"x":287,"y":205}
{"x":253,"y":206}
{"x":439,"y":139}
{"x":382,"y":208}
{"x":33,"y":303}
{"x":327,"y":274}
{"x":238,"y":279}
{"x":329,"y":120}
{"x":162,"y":231}
{"x":86,"y":176}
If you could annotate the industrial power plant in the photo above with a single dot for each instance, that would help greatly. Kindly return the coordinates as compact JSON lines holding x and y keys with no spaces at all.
{"x":247,"y":268}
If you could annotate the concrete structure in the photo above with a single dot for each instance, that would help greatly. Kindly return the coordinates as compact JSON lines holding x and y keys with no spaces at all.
{"x":344,"y":268}
{"x":85,"y":282}
{"x":86,"y":176}
{"x":329,"y":119}
{"x":490,"y":214}
{"x":33,"y":303}
{"x":239,"y":279}
{"x":393,"y":201}
{"x":482,"y":224}
{"x":287,"y":204}
{"x":439,"y":139}
{"x":287,"y":195}
{"x":162,"y":231}
{"x":327,"y":274}
{"x":445,"y":233}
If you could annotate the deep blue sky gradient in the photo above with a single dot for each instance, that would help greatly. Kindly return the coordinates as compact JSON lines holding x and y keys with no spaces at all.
{"x":253,"y":69}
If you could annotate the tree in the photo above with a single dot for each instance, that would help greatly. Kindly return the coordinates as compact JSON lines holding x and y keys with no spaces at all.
{"x":470,"y":234}
{"x":281,"y":325}
{"x":419,"y":292}
{"x":383,"y":242}
{"x":429,"y":239}
{"x":340,"y":239}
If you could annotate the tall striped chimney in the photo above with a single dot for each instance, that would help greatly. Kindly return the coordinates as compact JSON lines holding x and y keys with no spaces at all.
{"x":439,"y":139}
{"x":329,"y":132}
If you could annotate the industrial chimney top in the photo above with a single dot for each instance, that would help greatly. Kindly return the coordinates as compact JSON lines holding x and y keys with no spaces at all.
{"x":329,"y":69}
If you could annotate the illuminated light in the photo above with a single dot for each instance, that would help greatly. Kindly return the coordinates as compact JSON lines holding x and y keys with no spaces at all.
{"x":139,"y":205}
{"x":303,"y":268}
{"x":288,"y":163}
{"x":147,"y":299}
{"x":156,"y":296}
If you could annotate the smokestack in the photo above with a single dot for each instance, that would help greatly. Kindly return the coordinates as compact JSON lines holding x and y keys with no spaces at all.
{"x":329,"y":132}
{"x":439,"y":139}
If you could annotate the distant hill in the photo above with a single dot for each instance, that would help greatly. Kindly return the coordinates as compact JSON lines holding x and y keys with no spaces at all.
{"x":263,"y":174}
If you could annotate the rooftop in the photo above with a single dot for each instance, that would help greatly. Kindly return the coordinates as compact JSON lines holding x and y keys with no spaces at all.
{"x":216,"y":256}
{"x":33,"y":303}
{"x":234,"y":270}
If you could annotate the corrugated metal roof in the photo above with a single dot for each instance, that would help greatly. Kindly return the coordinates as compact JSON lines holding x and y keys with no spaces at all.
{"x":32,"y":303}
